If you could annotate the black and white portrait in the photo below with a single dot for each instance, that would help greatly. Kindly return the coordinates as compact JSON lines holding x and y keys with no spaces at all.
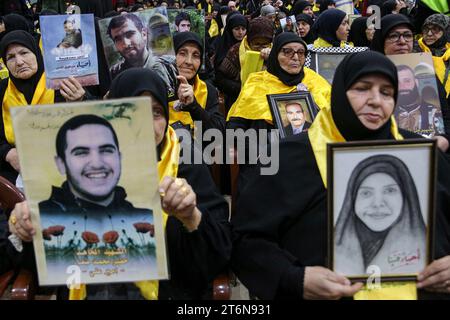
{"x":381,"y":213}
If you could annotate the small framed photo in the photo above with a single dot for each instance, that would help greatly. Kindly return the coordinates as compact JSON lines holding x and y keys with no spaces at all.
{"x":289,"y":24}
{"x":381,"y":208}
{"x":292,"y":113}
{"x":324,"y":61}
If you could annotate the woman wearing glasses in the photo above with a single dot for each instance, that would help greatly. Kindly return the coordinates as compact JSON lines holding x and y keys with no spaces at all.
{"x":434,"y":40}
{"x":285,"y":74}
{"x":396,"y":37}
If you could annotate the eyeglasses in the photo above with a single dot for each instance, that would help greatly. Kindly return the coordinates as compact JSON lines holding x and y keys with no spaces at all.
{"x":288,"y":52}
{"x":395,"y":36}
{"x":434,"y":30}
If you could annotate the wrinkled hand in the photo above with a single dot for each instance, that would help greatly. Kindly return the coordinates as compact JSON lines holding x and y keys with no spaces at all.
{"x":20,"y":222}
{"x":12,"y":157}
{"x":322,"y":283}
{"x":442,"y":143}
{"x":436,"y":276}
{"x":178,"y":199}
{"x":72,"y":90}
{"x":265,"y":53}
{"x":185,"y":91}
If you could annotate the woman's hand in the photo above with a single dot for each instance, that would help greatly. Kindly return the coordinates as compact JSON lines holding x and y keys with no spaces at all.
{"x":442,"y":143}
{"x":12,"y":157}
{"x":436,"y":276}
{"x":265,"y":53}
{"x":322,"y":283}
{"x":185,"y":91}
{"x":178,"y":199}
{"x":20,"y":222}
{"x":72,"y":90}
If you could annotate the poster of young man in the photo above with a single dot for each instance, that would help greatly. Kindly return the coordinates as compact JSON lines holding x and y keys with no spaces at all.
{"x":92,"y":191}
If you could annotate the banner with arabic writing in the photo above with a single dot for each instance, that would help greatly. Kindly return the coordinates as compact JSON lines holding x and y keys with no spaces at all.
{"x":69,"y":49}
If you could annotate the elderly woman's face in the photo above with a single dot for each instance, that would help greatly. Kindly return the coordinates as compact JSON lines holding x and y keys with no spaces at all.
{"x":379,"y":201}
{"x":372,"y":100}
{"x":21,"y":61}
{"x":292,"y":57}
{"x":431,"y":34}
{"x":159,"y":121}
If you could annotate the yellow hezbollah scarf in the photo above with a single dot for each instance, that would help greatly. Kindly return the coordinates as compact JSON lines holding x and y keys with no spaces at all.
{"x":200,"y":94}
{"x":252,"y":101}
{"x":213,"y":29}
{"x":250,"y":61}
{"x":320,"y":43}
{"x":324,"y":131}
{"x":439,"y":64}
{"x":14,"y":98}
{"x":167,"y":166}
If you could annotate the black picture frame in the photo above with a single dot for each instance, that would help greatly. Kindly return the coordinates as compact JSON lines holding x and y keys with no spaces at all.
{"x":367,"y":150}
{"x":325,"y":60}
{"x":277,"y":104}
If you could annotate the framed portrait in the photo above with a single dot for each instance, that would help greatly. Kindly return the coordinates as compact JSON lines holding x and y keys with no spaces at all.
{"x":289,"y":24}
{"x":91,"y":187}
{"x":324,"y":61}
{"x":292,"y":113}
{"x":381,"y":208}
{"x":70,"y":49}
{"x":418,"y":106}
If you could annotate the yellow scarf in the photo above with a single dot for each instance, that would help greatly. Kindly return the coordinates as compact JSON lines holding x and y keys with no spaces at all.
{"x":324,"y":131}
{"x":213,"y":29}
{"x":321,"y":43}
{"x":14,"y":98}
{"x":167,"y":166}
{"x":439,"y":64}
{"x":250,"y":61}
{"x":252,"y":101}
{"x":200,"y":94}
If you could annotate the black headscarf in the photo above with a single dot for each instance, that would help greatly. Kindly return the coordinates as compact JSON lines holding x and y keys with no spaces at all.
{"x":13,"y":22}
{"x":227,"y":40}
{"x":134,"y":81}
{"x":388,"y":7}
{"x":352,"y":68}
{"x":324,"y":5}
{"x":180,"y":38}
{"x":274,"y":65}
{"x":310,"y":37}
{"x":299,"y":6}
{"x":388,"y":22}
{"x":28,"y":86}
{"x":327,"y":24}
{"x":358,"y":32}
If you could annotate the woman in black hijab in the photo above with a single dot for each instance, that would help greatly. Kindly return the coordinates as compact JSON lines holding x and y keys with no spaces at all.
{"x":200,"y":101}
{"x":280,"y":227}
{"x":228,"y":39}
{"x":361,"y":35}
{"x":285,"y":74}
{"x":305,"y":28}
{"x":393,"y":24}
{"x":13,"y":22}
{"x":25,"y":86}
{"x":332,"y":29}
{"x":197,"y":228}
